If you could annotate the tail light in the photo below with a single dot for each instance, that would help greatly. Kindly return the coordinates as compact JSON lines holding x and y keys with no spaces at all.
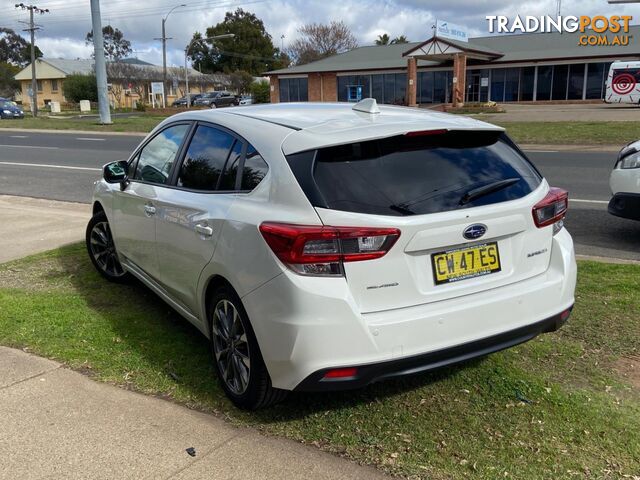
{"x":322,"y":250}
{"x":551,"y":209}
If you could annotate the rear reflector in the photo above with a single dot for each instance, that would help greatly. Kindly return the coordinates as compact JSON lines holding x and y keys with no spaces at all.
{"x":552,"y":208}
{"x":321,"y":250}
{"x":338,"y":373}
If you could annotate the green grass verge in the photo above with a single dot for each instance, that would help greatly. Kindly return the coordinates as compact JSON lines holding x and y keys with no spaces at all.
{"x":139,"y":124}
{"x":556,"y":407}
{"x":571,"y":133}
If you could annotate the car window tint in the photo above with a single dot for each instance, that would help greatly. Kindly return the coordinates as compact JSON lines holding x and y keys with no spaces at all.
{"x":255,"y":169}
{"x":228,"y":180}
{"x":157,"y":157}
{"x":205,"y":159}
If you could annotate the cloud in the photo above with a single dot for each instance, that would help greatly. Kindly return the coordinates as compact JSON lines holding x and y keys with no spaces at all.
{"x":65,"y":27}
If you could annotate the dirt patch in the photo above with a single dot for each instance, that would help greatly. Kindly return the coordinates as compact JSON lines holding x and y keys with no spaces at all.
{"x":629,"y":368}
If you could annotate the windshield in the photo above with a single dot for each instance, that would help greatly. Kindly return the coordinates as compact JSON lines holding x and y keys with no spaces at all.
{"x":410,"y":175}
{"x":8,"y":104}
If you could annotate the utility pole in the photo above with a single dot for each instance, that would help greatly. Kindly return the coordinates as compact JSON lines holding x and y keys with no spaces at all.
{"x":32,"y":28}
{"x":101,"y":64}
{"x":164,"y":39}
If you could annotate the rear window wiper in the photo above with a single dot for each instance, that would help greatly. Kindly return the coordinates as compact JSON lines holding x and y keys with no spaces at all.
{"x":487,"y":189}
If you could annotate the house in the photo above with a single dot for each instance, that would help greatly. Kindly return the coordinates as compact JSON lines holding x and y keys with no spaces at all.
{"x":129,"y":80}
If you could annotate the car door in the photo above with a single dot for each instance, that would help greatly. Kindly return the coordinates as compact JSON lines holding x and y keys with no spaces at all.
{"x":135,"y":206}
{"x":191,"y":216}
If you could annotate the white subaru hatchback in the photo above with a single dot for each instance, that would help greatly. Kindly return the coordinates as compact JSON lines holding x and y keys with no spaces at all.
{"x":328,"y":246}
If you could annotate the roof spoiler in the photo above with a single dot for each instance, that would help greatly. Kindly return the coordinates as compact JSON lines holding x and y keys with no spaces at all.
{"x":368,"y":105}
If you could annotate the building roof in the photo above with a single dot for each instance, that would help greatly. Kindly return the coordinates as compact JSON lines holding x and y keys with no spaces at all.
{"x":511,"y":48}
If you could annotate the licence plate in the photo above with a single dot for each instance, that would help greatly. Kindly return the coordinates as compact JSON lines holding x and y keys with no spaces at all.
{"x":465,"y":262}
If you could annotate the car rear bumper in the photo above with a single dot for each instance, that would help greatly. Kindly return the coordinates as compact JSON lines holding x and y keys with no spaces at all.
{"x":308,"y":325}
{"x":370,"y":373}
{"x":625,"y":205}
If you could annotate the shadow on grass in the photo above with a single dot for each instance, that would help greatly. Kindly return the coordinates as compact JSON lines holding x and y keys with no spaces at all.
{"x":170,"y":357}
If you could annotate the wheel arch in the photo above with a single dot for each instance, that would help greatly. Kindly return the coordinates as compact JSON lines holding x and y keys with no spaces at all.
{"x":213,"y":283}
{"x":97,"y":207}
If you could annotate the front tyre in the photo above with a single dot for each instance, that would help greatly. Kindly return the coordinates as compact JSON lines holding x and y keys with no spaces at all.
{"x":236,"y":355}
{"x":102,"y":249}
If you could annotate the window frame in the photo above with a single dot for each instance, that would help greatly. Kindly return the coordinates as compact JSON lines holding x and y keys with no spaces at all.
{"x":135,"y":157}
{"x":238,"y":182}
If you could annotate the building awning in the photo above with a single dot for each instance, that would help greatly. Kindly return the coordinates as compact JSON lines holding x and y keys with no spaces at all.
{"x":442,"y":49}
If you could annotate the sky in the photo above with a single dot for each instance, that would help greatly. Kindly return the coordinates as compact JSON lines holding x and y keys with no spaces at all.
{"x":65,"y":26}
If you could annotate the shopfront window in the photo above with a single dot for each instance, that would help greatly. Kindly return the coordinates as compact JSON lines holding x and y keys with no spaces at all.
{"x":543,"y":88}
{"x":560,"y":75}
{"x":576,"y":82}
{"x":511,"y":84}
{"x":497,"y":85}
{"x":596,"y":78}
{"x":527,"y":76}
{"x":294,"y":90}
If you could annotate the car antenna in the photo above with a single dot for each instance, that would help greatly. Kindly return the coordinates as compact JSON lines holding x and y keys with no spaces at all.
{"x":368,"y":105}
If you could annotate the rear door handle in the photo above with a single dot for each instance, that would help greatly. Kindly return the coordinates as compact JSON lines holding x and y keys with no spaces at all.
{"x":204,"y":229}
{"x":149,"y":210}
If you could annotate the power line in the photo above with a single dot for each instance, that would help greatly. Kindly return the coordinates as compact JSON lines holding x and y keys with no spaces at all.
{"x":32,"y":30}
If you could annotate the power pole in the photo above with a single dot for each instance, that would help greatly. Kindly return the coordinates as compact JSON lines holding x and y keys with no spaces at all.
{"x":101,"y":64}
{"x":164,"y":39}
{"x":32,"y":29}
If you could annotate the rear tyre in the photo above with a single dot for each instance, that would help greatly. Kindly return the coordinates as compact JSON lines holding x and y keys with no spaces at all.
{"x":236,"y":354}
{"x":102,"y":249}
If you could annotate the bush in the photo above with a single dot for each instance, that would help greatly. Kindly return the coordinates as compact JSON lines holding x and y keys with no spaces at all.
{"x":81,"y":87}
{"x":140,"y":106}
{"x":260,"y":92}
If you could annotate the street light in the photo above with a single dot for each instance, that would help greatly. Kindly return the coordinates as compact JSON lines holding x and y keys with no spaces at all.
{"x":186,"y":54}
{"x":164,"y":44}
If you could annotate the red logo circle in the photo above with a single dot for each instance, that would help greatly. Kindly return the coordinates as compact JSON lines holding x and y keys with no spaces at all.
{"x":623,"y":84}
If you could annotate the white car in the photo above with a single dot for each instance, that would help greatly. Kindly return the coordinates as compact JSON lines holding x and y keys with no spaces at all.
{"x":625,"y":183}
{"x":327,"y":246}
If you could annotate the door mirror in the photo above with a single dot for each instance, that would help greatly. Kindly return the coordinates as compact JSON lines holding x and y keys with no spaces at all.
{"x":116,"y":172}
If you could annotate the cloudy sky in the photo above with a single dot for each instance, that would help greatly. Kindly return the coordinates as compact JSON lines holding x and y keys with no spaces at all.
{"x":64,"y":28}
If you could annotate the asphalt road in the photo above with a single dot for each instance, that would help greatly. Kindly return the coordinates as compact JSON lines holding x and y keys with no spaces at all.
{"x":63,"y":166}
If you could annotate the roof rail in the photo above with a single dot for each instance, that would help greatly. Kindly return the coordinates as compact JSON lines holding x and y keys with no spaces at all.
{"x":368,"y":105}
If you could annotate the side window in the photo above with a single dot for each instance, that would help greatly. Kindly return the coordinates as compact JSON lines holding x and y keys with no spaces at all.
{"x":255,"y":169}
{"x":228,"y":180}
{"x":157,"y":157}
{"x":205,"y":159}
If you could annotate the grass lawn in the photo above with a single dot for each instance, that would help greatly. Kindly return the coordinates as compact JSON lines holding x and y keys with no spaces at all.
{"x":572,"y":133}
{"x":560,"y":406}
{"x":141,"y":124}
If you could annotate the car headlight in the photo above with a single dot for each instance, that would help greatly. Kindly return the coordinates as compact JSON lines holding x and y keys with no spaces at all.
{"x":631,"y":161}
{"x":6,"y":111}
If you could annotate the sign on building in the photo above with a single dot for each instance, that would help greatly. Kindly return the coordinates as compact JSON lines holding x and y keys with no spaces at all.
{"x":446,"y":29}
{"x":157,"y":88}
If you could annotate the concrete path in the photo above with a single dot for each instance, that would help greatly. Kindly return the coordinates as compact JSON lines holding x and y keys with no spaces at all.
{"x":32,"y":225}
{"x":56,"y":423}
{"x":585,"y":112}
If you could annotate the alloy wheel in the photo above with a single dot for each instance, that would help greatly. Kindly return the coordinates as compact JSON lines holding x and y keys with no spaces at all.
{"x":230,"y":347}
{"x":103,"y":250}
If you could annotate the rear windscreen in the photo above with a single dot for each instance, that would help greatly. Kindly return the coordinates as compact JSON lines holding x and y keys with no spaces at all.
{"x":412,"y":175}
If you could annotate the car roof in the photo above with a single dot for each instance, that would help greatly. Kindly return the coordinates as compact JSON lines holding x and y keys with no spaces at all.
{"x":315,"y":125}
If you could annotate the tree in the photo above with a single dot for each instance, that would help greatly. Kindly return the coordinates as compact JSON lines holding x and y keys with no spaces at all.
{"x":81,"y":87}
{"x":399,"y":40}
{"x":320,"y":41}
{"x":260,"y":91}
{"x":383,"y":39}
{"x":241,"y":81}
{"x":251,"y":50}
{"x":8,"y":85}
{"x":14,"y":49}
{"x":116,"y":47}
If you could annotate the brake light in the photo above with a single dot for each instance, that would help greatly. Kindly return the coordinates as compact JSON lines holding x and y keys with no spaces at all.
{"x":340,"y":373}
{"x":424,"y":133}
{"x":552,"y":208}
{"x":321,"y":250}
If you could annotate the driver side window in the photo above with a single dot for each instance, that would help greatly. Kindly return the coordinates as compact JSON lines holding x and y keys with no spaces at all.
{"x":157,"y":157}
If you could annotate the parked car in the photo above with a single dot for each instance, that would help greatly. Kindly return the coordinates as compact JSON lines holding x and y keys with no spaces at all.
{"x":182,"y":101}
{"x":319,"y":249}
{"x":217,"y":100}
{"x":625,"y":183}
{"x":9,"y":109}
{"x":246,"y":100}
